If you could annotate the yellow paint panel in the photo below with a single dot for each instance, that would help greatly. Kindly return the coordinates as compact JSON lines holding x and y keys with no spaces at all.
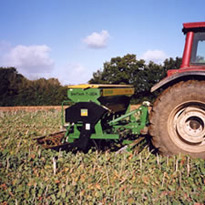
{"x":84,"y":112}
{"x":85,"y":86}
{"x":120,"y":91}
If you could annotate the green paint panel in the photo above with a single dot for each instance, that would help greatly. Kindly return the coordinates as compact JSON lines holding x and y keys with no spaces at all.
{"x":112,"y":122}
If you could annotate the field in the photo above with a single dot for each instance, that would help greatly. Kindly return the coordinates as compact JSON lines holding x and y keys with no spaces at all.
{"x":32,"y":175}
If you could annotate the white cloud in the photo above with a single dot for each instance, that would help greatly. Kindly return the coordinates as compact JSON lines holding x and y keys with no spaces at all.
{"x":31,"y":61}
{"x":156,"y":56}
{"x":73,"y":73}
{"x":35,"y":62}
{"x":97,"y":40}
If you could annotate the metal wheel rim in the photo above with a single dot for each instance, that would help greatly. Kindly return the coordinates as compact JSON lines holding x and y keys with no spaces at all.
{"x":186,"y":126}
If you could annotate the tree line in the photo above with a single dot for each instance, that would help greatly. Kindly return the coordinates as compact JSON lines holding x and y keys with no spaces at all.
{"x":15,"y":89}
{"x":129,"y":70}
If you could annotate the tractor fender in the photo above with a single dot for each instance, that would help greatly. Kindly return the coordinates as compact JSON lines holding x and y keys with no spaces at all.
{"x":178,"y":76}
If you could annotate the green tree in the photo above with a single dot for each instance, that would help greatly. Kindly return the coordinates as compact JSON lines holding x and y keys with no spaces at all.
{"x":10,"y":81}
{"x":129,"y":70}
{"x":15,"y":89}
{"x":172,"y":63}
{"x":119,"y":70}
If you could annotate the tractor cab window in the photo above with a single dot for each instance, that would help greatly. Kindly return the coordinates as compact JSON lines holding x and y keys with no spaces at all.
{"x":198,"y":49}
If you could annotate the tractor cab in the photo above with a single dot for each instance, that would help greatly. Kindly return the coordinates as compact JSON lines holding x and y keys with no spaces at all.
{"x":194,"y":50}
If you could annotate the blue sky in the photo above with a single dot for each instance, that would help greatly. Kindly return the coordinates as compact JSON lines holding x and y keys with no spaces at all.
{"x":71,"y":39}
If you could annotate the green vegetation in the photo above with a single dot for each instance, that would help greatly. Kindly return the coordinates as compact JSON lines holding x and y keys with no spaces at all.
{"x":32,"y":175}
{"x":15,"y":89}
{"x":129,"y":70}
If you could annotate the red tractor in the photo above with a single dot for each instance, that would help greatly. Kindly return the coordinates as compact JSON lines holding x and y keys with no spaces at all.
{"x":177,"y":119}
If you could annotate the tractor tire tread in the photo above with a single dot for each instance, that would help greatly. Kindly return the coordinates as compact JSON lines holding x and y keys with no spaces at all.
{"x":160,"y":112}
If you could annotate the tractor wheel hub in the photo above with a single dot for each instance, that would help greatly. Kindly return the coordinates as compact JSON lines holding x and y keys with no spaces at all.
{"x":190,"y":124}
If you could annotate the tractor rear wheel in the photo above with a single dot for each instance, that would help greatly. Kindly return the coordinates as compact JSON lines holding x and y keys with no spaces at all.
{"x":178,"y":119}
